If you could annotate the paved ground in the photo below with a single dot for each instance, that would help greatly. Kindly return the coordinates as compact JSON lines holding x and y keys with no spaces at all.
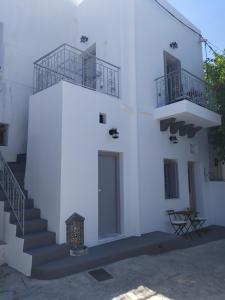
{"x":194,"y":273}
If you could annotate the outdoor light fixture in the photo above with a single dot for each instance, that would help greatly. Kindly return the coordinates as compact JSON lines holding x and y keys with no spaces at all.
{"x":84,"y":39}
{"x":174,"y":45}
{"x":173,"y":139}
{"x":75,"y":235}
{"x":114,"y":133}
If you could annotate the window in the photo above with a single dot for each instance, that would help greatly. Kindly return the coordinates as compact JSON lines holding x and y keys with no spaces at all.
{"x":3,"y":134}
{"x":171,"y":179}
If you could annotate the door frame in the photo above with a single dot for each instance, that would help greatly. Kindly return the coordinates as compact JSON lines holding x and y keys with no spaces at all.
{"x":167,"y":56}
{"x":87,"y":55}
{"x":119,"y":185}
{"x":192,"y":184}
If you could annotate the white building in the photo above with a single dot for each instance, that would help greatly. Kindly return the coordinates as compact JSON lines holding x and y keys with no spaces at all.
{"x":139,"y":71}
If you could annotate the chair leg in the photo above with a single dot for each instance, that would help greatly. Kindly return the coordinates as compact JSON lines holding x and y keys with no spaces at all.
{"x":197,"y":227}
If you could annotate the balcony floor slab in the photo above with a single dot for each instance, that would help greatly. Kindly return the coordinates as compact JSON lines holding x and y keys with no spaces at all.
{"x":189,"y":112}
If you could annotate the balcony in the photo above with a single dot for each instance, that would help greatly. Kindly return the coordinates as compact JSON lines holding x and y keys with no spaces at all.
{"x":77,"y":67}
{"x":185,"y":98}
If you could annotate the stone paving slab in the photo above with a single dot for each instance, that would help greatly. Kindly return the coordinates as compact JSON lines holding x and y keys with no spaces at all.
{"x":194,"y":273}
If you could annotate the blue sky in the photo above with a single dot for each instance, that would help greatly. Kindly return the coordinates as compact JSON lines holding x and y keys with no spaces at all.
{"x":207,"y":15}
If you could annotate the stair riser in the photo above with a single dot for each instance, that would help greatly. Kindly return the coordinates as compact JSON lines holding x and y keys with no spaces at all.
{"x":29,"y":215}
{"x":29,"y":203}
{"x":38,"y":242}
{"x":21,"y":158}
{"x":33,"y":228}
{"x":17,"y":169}
{"x":58,"y":253}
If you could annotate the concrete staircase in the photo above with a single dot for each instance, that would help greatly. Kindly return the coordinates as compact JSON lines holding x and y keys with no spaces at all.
{"x":38,"y":242}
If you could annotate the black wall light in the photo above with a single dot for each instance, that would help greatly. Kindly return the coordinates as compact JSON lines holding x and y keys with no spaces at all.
{"x":114,"y":133}
{"x":173,"y":139}
{"x":174,"y":45}
{"x":84,"y":39}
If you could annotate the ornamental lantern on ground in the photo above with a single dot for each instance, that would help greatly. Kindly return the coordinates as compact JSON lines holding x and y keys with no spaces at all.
{"x":75,"y":235}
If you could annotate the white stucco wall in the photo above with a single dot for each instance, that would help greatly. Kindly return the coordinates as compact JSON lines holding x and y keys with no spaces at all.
{"x":43,"y":172}
{"x":155,"y":29}
{"x":133,"y":35}
{"x":154,"y":148}
{"x":82,"y":138}
{"x":29,"y":30}
{"x":2,"y":253}
{"x":216,"y":203}
{"x":63,"y":178}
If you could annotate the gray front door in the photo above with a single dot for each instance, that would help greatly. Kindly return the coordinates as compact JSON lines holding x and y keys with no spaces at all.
{"x":108,"y":195}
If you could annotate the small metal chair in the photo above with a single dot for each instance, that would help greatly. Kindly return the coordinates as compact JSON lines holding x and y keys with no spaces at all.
{"x":197,"y":222}
{"x":179,"y":226}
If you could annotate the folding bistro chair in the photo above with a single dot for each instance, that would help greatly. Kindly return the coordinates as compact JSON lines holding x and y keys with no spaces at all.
{"x":197,"y":222}
{"x":179,"y":226}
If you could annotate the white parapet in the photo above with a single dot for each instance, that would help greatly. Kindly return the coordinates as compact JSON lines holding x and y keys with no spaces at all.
{"x":14,"y":255}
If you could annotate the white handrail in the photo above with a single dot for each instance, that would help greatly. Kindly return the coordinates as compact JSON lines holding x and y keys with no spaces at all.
{"x":13,"y":192}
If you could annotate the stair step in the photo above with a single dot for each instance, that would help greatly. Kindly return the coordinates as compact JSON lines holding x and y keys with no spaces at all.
{"x":16,"y":167}
{"x":29,"y":214}
{"x":37,"y":240}
{"x":48,"y":253}
{"x":33,"y":226}
{"x":61,"y":267}
{"x":21,"y":158}
{"x":29,"y":203}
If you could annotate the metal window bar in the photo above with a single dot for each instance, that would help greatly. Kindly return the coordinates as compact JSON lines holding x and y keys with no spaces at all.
{"x":13,"y":193}
{"x":180,"y":85}
{"x":77,"y":67}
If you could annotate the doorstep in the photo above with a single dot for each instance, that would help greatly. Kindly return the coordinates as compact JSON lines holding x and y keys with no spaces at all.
{"x":148,"y":244}
{"x":105,"y":254}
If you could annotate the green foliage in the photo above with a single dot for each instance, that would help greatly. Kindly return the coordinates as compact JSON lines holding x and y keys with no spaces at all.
{"x":215,"y":76}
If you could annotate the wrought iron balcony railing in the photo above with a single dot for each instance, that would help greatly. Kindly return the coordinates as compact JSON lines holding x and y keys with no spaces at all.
{"x":78,"y":67}
{"x":180,"y":85}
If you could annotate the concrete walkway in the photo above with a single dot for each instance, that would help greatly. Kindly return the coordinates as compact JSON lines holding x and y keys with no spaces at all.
{"x":194,"y":273}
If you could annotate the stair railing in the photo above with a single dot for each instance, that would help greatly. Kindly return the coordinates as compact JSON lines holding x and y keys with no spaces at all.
{"x":13,"y":192}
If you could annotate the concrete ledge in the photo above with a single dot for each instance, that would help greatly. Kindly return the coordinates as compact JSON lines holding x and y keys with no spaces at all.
{"x":189,"y":112}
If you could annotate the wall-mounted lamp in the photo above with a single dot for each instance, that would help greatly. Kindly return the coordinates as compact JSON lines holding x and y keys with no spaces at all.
{"x":174,"y":45}
{"x":84,"y":39}
{"x":114,"y":133}
{"x":173,"y":139}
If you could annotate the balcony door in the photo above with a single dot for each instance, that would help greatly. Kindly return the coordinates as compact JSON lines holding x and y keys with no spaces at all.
{"x":172,"y":69}
{"x":89,"y":68}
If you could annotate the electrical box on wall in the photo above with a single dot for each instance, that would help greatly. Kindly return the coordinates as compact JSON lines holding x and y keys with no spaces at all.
{"x":1,"y":48}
